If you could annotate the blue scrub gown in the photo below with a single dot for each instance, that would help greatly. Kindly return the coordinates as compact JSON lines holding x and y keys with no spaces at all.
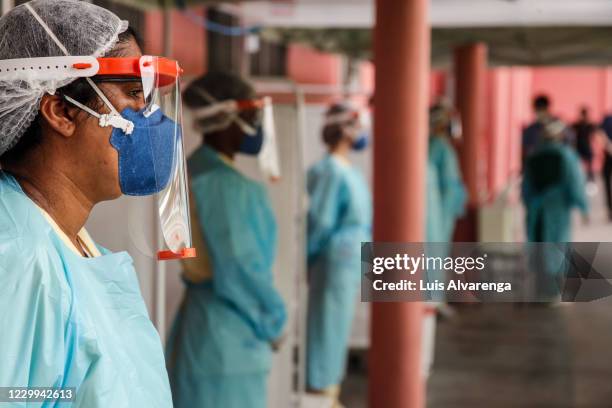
{"x":445,"y":197}
{"x":434,"y":230}
{"x":219,"y":351}
{"x":339,"y":220}
{"x":549,"y":209}
{"x":553,"y":185}
{"x":452,"y":191}
{"x":69,"y":321}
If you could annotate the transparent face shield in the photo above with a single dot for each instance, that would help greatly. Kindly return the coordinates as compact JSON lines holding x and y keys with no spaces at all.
{"x":147,"y":133}
{"x":148,"y":136}
{"x":260,"y":135}
{"x":269,"y":160}
{"x":355,"y":124}
{"x":161,"y":92}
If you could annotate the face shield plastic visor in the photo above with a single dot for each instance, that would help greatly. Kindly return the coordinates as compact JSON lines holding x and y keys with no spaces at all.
{"x":356,"y":124}
{"x":147,"y":133}
{"x":163,"y":120}
{"x":260,"y":132}
{"x":158,"y":125}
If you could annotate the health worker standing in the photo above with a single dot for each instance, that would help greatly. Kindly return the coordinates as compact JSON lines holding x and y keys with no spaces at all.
{"x":339,"y":220}
{"x":77,"y":127}
{"x":232,"y":316}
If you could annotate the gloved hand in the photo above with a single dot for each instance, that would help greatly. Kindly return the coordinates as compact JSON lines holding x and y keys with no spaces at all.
{"x":276,"y":344}
{"x":586,"y":218}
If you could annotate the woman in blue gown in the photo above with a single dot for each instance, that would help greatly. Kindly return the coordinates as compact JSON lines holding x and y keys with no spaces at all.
{"x":339,"y":220}
{"x":73,"y":318}
{"x":231,"y":317}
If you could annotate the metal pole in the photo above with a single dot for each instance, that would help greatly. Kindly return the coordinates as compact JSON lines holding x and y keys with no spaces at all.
{"x":300,"y":104}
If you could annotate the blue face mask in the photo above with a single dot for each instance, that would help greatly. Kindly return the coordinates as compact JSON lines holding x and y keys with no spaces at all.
{"x":251,"y":145}
{"x":146,"y":157}
{"x":361,"y":142}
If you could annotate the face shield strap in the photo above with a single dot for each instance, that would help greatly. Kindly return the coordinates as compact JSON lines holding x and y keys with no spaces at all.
{"x":105,"y":120}
{"x":341,"y":119}
{"x":113,"y":119}
{"x":222,"y":109}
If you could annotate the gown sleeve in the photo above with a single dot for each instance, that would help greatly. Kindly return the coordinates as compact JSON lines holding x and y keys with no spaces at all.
{"x":240,"y":234}
{"x":34,"y":307}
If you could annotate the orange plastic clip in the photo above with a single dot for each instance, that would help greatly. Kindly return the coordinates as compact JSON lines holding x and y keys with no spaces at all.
{"x":183,"y":254}
{"x":81,"y":65}
{"x":248,"y":104}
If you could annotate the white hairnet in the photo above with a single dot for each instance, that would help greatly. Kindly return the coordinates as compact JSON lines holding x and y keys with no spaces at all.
{"x":83,"y":28}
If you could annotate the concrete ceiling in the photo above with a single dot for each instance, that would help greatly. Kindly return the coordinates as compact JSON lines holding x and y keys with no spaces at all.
{"x":518,"y":32}
{"x":444,"y":13}
{"x":525,"y":32}
{"x":535,"y":46}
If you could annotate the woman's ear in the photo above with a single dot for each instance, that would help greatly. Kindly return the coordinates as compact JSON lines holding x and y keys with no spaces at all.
{"x":56,"y":114}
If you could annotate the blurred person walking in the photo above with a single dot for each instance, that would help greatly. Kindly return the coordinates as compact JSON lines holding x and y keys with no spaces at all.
{"x":534,"y":133}
{"x":584,"y":130}
{"x":553,"y":185}
{"x":607,"y":166}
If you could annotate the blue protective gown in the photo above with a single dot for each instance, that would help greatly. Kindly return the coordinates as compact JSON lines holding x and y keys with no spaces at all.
{"x":434,"y":225}
{"x":339,"y":219}
{"x":549,"y":210}
{"x":68,"y":321}
{"x":219,"y":350}
{"x":445,"y":199}
{"x":434,"y":229}
{"x":452,"y":193}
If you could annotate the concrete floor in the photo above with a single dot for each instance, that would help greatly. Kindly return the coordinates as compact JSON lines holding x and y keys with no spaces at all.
{"x":500,"y":355}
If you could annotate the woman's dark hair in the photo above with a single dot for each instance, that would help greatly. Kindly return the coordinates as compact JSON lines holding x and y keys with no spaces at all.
{"x":332,"y":134}
{"x":79,"y":90}
{"x":220,"y":85}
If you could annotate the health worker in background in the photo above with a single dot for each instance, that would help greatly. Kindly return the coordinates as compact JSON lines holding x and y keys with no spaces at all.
{"x":584,"y":132}
{"x":553,"y":185}
{"x":606,"y":127}
{"x":71,"y":99}
{"x":445,"y":203}
{"x":534,"y":133}
{"x":220,"y":348}
{"x":445,"y":192}
{"x":446,"y":177}
{"x":339,"y":219}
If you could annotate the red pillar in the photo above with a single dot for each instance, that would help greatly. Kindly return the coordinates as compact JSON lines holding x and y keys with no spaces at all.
{"x":402,"y":52}
{"x":470,"y":94}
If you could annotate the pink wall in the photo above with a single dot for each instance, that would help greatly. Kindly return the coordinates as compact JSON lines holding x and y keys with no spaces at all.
{"x":308,"y":66}
{"x":188,"y":40}
{"x":570,"y":88}
{"x":510,"y":92}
